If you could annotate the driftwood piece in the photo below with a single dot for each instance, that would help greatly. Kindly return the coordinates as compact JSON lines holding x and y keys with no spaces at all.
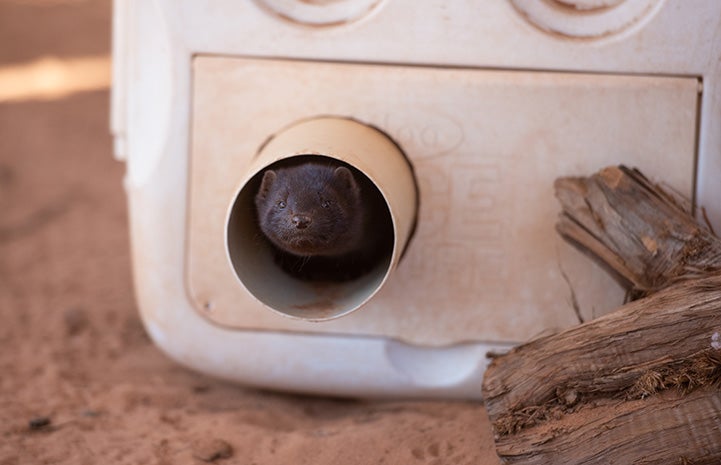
{"x":643,"y":235}
{"x":640,"y":385}
{"x":665,"y":429}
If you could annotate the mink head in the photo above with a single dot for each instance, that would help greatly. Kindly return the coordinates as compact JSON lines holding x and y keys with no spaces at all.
{"x":311,"y":209}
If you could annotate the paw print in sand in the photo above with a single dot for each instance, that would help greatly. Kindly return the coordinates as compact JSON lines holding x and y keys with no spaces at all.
{"x":439,"y":453}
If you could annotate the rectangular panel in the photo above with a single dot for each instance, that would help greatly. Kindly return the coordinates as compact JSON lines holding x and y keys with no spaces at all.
{"x":485,"y":263}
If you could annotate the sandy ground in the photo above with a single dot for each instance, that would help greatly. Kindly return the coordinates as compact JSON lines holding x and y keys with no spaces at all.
{"x":72,"y":347}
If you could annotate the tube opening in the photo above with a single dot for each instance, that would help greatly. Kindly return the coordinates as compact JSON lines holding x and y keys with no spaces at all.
{"x":314,"y":234}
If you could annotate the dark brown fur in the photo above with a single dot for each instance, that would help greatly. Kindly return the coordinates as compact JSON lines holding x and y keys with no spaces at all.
{"x":324,"y":221}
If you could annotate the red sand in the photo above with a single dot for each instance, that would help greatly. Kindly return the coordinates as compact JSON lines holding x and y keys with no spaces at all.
{"x":73,"y":347}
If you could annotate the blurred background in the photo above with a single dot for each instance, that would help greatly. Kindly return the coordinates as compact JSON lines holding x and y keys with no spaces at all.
{"x":80,"y":382}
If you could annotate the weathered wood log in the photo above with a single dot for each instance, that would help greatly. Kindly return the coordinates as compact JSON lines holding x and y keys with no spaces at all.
{"x":633,"y":352}
{"x":642,"y":234}
{"x":664,"y":429}
{"x":640,"y":385}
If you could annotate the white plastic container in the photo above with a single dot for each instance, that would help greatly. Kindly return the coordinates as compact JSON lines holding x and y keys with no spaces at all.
{"x":487,"y":104}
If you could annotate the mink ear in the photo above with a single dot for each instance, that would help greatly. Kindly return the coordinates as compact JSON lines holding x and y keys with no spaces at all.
{"x":345,"y":179}
{"x":265,"y":185}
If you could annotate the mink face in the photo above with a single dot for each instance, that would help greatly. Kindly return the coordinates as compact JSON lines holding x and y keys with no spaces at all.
{"x":311,"y":209}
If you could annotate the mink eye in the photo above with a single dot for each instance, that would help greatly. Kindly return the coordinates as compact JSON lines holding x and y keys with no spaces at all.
{"x":325,"y":203}
{"x":281,"y":204}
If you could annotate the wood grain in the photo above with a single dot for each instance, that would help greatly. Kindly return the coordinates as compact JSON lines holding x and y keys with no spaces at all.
{"x":639,"y":385}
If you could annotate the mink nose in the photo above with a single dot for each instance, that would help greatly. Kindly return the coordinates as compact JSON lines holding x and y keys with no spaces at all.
{"x":300,"y":221}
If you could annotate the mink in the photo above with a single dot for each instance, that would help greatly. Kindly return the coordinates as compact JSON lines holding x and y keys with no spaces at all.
{"x":324,"y":220}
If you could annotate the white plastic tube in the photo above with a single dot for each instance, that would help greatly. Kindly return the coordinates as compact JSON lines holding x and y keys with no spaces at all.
{"x":363,"y":147}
